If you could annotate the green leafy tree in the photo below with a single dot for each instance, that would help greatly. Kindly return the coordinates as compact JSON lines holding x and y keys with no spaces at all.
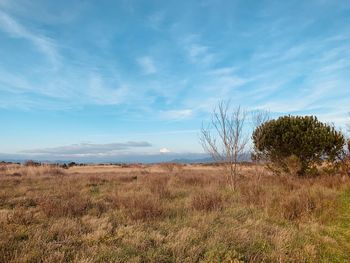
{"x":303,"y":137}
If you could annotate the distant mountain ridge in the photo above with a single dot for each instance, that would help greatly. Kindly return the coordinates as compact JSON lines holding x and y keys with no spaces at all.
{"x":186,"y":158}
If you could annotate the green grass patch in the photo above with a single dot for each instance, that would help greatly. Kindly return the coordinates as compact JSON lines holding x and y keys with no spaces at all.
{"x":336,"y":236}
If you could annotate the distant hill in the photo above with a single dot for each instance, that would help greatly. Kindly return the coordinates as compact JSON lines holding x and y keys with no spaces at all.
{"x":202,"y":160}
{"x":151,"y":158}
{"x":242,"y":158}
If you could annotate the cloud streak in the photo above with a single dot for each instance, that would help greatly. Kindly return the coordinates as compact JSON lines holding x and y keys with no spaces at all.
{"x":147,"y":65}
{"x":89,"y":148}
{"x":44,"y":44}
{"x":177,"y":114}
{"x":162,"y":68}
{"x":198,"y":53}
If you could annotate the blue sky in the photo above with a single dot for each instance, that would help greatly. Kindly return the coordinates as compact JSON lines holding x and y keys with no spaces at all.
{"x":116,"y":78}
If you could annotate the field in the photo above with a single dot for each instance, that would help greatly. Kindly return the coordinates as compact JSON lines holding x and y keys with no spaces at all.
{"x":165,"y":213}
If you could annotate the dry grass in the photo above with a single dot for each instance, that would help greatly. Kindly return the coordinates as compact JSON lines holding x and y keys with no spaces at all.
{"x":17,"y":170}
{"x":207,"y":201}
{"x":148,"y":214}
{"x":141,"y":206}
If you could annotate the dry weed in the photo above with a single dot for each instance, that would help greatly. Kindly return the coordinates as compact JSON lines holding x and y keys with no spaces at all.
{"x":107,"y":214}
{"x":207,"y":201}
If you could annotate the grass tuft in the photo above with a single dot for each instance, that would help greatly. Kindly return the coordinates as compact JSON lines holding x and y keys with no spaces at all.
{"x":139,"y":213}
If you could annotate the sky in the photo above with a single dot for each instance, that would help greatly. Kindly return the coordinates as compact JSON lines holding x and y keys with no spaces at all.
{"x":134,"y":80}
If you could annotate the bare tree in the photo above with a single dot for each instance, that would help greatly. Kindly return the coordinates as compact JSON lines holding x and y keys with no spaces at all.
{"x":346,"y":160}
{"x":348,"y":141}
{"x":258,"y":117}
{"x":224,"y":138}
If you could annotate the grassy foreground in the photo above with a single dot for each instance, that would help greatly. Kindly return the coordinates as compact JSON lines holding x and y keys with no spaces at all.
{"x":167,"y":214}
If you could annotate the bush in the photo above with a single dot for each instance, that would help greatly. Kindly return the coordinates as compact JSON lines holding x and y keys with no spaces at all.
{"x":305,"y":138}
{"x":72,"y":164}
{"x":31,"y":163}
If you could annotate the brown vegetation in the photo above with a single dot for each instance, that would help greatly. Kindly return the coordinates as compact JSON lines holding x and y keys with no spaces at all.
{"x":115,"y":214}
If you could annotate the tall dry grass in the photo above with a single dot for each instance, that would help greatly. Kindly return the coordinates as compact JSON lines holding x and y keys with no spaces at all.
{"x":18,"y":170}
{"x":114,"y":214}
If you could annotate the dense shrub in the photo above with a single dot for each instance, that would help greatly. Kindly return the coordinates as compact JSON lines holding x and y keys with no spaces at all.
{"x":72,"y":164}
{"x":307,"y":139}
{"x":32,"y":163}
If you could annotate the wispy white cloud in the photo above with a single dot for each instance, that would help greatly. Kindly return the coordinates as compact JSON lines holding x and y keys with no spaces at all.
{"x":44,"y":44}
{"x":156,"y":19}
{"x":177,"y":114}
{"x":147,"y":65}
{"x":102,"y":93}
{"x":199,"y":54}
{"x":222,"y":71}
{"x":277,"y":71}
{"x":41,"y":11}
{"x":14,"y":83}
{"x":217,"y":84}
{"x":284,"y":63}
{"x":170,"y":132}
{"x":196,"y":50}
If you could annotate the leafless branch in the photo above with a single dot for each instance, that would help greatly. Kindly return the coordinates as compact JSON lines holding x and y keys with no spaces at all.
{"x":259,"y":117}
{"x":224,"y":138}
